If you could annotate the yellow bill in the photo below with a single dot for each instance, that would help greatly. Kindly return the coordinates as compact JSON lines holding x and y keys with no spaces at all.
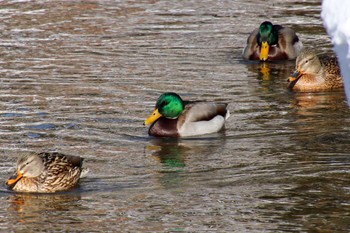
{"x":153,"y":117}
{"x":264,"y":52}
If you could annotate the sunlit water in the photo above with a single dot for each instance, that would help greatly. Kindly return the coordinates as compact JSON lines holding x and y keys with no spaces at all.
{"x":80,"y":78}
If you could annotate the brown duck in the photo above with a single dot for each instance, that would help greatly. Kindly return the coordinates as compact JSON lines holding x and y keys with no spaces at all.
{"x":314,"y":74}
{"x":46,"y":173}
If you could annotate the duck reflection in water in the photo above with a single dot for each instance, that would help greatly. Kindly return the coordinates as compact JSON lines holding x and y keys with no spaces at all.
{"x":172,"y":156}
{"x":265,"y":70}
{"x":169,"y":152}
{"x":269,"y":72}
{"x":36,"y":208}
{"x":311,"y":103}
{"x":315,"y":112}
{"x":177,"y":156}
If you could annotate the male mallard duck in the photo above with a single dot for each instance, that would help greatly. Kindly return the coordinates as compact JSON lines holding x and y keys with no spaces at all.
{"x":272,"y":42}
{"x":313,"y":74}
{"x":173,"y":117}
{"x":46,"y":173}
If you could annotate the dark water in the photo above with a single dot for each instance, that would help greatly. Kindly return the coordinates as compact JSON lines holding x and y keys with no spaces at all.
{"x":80,"y":77}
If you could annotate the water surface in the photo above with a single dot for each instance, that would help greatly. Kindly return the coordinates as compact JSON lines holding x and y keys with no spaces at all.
{"x":80,"y":77}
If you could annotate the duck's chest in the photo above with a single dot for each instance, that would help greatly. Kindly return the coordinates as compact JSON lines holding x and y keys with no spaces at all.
{"x":275,"y":54}
{"x":30,"y":184}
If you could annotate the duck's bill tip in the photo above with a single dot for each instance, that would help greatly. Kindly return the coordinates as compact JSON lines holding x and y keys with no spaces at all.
{"x":14,"y":179}
{"x":291,"y":79}
{"x":295,"y":76}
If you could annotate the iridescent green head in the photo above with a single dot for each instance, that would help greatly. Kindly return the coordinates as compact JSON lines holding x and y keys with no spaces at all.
{"x":169,"y":105}
{"x":267,"y":33}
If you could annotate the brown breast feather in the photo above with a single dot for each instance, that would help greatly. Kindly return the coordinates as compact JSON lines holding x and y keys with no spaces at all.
{"x":164,"y":127}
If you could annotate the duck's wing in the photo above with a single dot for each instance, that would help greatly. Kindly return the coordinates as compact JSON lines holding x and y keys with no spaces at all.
{"x":287,"y":36}
{"x":75,"y":161}
{"x":277,"y":27}
{"x":331,"y":64}
{"x":202,"y":111}
{"x":251,"y":50}
{"x":202,"y":118}
{"x":289,"y":42}
{"x":58,"y":159}
{"x":63,"y":172}
{"x":333,"y":74}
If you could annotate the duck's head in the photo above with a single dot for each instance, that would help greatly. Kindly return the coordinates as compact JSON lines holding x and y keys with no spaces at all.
{"x":169,"y":105}
{"x":267,"y":36}
{"x":307,"y":63}
{"x":30,"y":166}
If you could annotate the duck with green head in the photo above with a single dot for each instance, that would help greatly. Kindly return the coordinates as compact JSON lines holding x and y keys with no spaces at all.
{"x":273,"y":43}
{"x":173,"y":117}
{"x":314,"y":74}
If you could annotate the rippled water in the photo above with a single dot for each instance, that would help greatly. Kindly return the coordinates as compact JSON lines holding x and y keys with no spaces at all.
{"x":80,"y":77}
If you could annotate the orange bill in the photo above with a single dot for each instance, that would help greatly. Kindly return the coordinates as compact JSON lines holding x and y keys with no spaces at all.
{"x":295,"y":76}
{"x":264,"y":51}
{"x":13,"y":181}
{"x":153,"y":117}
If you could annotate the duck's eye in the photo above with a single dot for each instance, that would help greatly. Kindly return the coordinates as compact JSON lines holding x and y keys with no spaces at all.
{"x":307,"y":61}
{"x":28,"y":162}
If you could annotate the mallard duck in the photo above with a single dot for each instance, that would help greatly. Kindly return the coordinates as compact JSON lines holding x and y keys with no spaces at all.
{"x":313,"y":74}
{"x":46,"y":173}
{"x":174,"y":117}
{"x":272,"y":42}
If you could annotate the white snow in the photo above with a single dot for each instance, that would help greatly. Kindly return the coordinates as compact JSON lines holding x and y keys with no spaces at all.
{"x":336,"y":19}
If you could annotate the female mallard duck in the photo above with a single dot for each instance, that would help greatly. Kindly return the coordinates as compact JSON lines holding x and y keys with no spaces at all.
{"x":272,"y":42}
{"x":46,"y":173}
{"x":313,"y":74}
{"x":173,"y":117}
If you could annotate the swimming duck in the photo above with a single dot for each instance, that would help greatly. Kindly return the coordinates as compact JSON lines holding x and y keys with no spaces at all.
{"x":313,"y":74}
{"x":174,"y":117}
{"x":46,"y":173}
{"x":272,"y":42}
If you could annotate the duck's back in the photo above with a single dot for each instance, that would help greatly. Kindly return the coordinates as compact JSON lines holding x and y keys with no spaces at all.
{"x":202,"y":111}
{"x":63,"y":171}
{"x":331,"y":64}
{"x":332,"y":71}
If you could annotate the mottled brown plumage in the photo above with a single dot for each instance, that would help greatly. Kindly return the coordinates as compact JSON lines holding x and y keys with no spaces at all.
{"x":314,"y":74}
{"x":46,"y":173}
